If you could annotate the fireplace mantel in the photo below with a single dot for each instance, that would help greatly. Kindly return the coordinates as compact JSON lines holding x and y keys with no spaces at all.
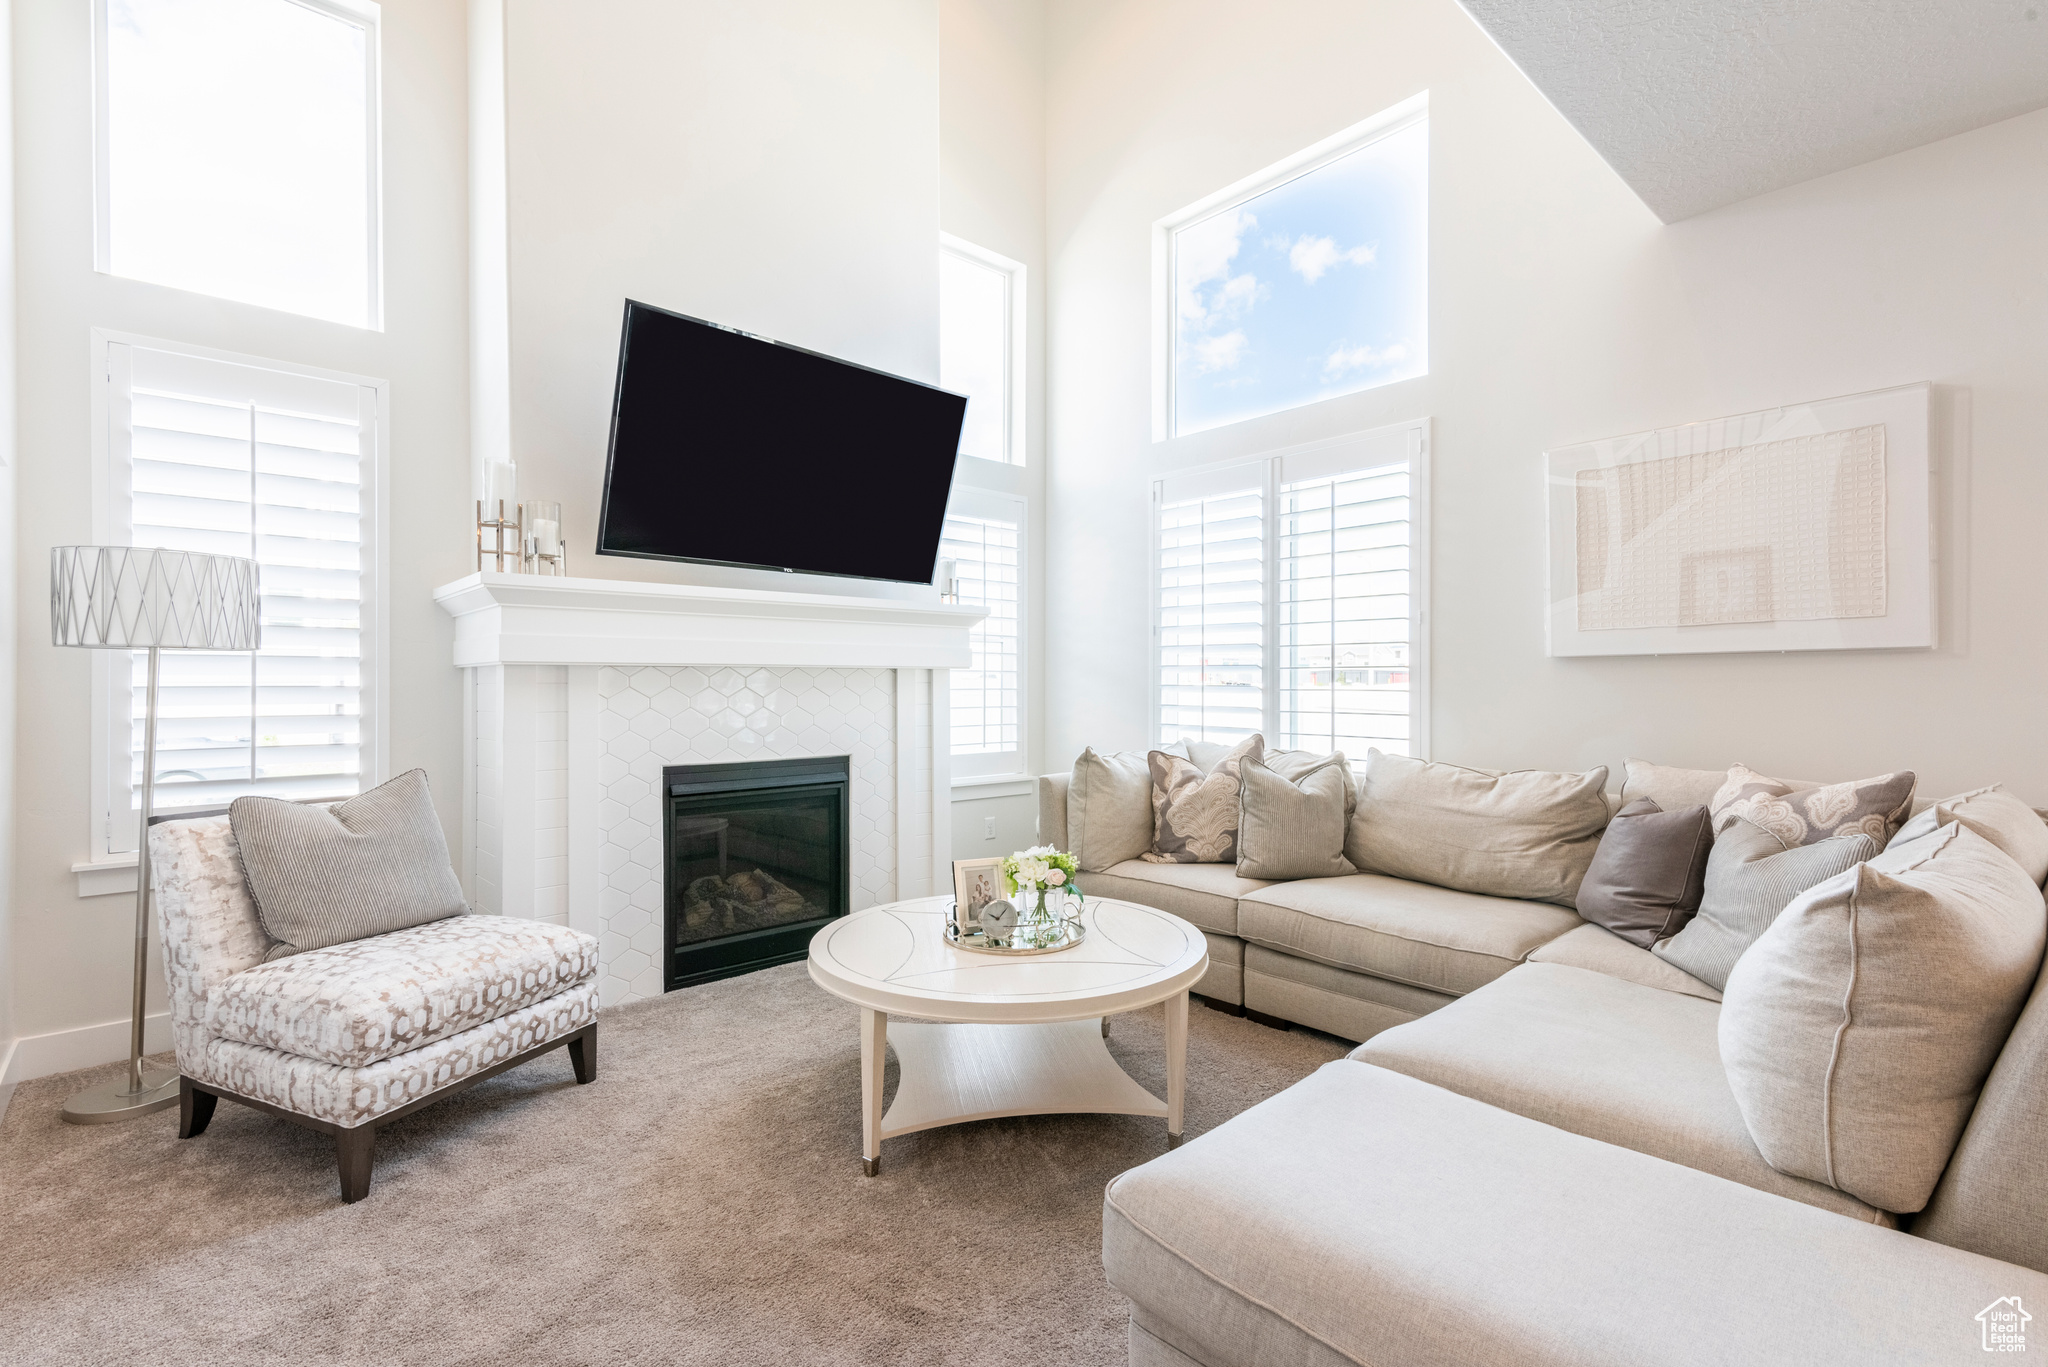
{"x":535,"y":619}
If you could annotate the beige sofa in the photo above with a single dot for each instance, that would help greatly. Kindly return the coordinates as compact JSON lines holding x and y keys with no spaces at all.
{"x":1535,"y":1157}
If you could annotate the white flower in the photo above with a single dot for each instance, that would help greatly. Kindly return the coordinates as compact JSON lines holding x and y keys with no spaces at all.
{"x":1031,"y":871}
{"x":1056,"y":877}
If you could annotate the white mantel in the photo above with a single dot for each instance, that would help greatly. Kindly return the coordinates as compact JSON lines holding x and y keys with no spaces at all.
{"x":534,"y":619}
{"x":578,"y":691}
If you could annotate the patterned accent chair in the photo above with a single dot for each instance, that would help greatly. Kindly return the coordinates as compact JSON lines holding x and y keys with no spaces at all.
{"x":351,"y":1037}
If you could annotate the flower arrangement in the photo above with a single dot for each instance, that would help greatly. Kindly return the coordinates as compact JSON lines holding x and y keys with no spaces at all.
{"x":1039,"y":869}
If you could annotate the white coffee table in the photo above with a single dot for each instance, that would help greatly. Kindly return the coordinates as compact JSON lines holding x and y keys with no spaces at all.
{"x":985,"y":1035}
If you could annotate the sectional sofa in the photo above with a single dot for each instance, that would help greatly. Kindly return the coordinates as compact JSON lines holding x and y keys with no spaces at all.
{"x":1536,"y":1156}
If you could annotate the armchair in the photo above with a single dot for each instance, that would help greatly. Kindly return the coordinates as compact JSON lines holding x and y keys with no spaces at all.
{"x":348,"y":1038}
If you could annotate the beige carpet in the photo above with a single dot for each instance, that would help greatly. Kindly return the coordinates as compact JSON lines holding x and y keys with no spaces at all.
{"x":702,"y":1202}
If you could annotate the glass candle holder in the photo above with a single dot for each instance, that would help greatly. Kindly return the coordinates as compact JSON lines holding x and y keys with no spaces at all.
{"x":543,"y":519}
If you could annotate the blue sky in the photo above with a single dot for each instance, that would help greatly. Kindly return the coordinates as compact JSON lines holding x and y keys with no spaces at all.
{"x":1315,"y":288}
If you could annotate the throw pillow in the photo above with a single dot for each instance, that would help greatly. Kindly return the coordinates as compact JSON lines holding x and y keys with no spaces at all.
{"x":1858,"y":1030}
{"x":1801,"y":816}
{"x":1109,"y":807}
{"x":1526,"y":834}
{"x":1648,"y":871}
{"x":1996,"y":815}
{"x":1194,"y":815}
{"x":1292,"y":826}
{"x":327,"y":875}
{"x":1751,"y":877}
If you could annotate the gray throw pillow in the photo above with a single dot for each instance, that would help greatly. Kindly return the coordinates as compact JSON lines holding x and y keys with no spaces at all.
{"x":1649,"y":872}
{"x":1802,"y":816}
{"x":1194,"y":815}
{"x":1751,"y":877}
{"x":327,"y":875}
{"x":1293,"y":827}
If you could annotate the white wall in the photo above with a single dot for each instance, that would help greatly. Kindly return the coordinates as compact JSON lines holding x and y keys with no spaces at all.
{"x":992,"y":193}
{"x":72,"y":954}
{"x":771,"y":165}
{"x":7,"y":539}
{"x":1561,"y":310}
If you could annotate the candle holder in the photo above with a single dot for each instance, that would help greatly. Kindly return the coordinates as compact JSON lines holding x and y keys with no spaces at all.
{"x":544,"y":551}
{"x":500,"y":548}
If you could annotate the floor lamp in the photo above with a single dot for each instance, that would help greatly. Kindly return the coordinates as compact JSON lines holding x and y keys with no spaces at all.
{"x":140,"y":598}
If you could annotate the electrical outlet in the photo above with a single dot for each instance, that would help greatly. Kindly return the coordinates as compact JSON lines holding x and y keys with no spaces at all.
{"x":988,"y":828}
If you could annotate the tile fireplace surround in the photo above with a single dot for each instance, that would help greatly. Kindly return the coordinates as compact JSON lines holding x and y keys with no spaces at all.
{"x":577,"y":691}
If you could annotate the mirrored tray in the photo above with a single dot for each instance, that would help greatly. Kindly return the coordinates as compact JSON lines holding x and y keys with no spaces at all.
{"x":1025,"y":939}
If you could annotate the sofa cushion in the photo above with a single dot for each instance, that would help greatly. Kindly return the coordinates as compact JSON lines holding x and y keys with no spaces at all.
{"x":1203,"y":894}
{"x":1799,"y":815}
{"x":1292,"y":826}
{"x":1858,"y":1029}
{"x":327,"y":875}
{"x":1195,"y":815}
{"x":1414,"y":933}
{"x":1672,"y":788}
{"x":358,"y":1003}
{"x":1109,"y":806}
{"x":1365,"y":1217}
{"x":1608,"y":1059}
{"x":1996,"y":815}
{"x":1336,"y":1001}
{"x":1600,"y":950}
{"x":1751,"y":877}
{"x":1524,"y":835}
{"x":1648,"y":873}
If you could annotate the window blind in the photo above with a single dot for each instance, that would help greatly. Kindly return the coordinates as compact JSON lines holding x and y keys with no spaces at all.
{"x":984,"y":696}
{"x":1211,"y":607}
{"x":1344,"y":645}
{"x":237,"y":460}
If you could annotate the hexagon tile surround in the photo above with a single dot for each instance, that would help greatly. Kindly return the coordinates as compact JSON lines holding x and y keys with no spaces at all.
{"x":650,"y":717}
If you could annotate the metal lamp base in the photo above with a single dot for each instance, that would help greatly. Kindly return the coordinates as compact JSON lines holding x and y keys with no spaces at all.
{"x":112,"y":1101}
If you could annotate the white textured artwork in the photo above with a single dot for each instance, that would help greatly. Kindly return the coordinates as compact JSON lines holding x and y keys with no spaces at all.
{"x":1799,"y":528}
{"x":1777,"y":531}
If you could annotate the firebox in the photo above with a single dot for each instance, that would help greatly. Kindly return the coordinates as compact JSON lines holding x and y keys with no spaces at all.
{"x":755,"y":859}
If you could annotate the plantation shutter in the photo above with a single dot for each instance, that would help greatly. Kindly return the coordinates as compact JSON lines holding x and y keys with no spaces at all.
{"x":985,"y":552}
{"x":237,"y":459}
{"x":1211,"y":604}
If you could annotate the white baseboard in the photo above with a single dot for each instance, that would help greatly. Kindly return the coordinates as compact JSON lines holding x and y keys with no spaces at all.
{"x":62,"y":1051}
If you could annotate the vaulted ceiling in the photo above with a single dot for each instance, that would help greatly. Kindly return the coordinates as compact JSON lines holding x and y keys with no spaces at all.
{"x":1699,"y":103}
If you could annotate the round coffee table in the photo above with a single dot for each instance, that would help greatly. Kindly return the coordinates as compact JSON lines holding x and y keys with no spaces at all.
{"x":985,"y":1035}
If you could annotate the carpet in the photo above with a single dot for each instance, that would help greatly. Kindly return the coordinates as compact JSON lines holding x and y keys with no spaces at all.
{"x":702,"y":1202}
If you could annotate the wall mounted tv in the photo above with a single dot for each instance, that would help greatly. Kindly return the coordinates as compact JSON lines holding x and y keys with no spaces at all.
{"x":731,"y":449}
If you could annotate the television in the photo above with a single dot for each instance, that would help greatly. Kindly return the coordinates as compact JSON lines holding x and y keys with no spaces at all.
{"x":732,"y":449}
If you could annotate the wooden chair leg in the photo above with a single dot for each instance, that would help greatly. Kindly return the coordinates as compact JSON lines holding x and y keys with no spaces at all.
{"x":195,"y":1109}
{"x":583,"y":1055}
{"x":355,"y":1153}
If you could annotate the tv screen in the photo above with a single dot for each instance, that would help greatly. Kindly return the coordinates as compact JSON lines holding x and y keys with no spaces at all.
{"x":731,"y":449}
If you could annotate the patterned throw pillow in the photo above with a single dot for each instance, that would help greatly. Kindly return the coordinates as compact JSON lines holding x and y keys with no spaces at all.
{"x":1804,"y":816}
{"x":1194,"y":815}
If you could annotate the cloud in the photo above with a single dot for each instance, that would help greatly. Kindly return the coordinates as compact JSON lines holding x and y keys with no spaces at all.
{"x":1312,"y":256}
{"x":1346,"y":359}
{"x":1220,"y":353}
{"x":1239,"y":293}
{"x":1203,"y":252}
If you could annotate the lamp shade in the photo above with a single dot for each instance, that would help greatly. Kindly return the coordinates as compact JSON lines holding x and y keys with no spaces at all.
{"x":134,"y":597}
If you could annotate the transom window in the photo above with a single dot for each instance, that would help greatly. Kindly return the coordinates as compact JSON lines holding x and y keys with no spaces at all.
{"x":981,"y":347}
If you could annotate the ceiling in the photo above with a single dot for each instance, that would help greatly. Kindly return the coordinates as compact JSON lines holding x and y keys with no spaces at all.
{"x":1699,"y":103}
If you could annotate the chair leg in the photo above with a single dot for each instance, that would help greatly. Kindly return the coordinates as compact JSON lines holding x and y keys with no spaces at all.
{"x":195,"y":1109}
{"x":583,"y":1055}
{"x":355,"y":1153}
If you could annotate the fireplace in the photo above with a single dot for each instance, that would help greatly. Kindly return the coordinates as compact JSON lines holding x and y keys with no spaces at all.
{"x":755,"y":859}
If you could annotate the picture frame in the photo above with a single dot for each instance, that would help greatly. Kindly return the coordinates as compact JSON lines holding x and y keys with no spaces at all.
{"x":976,"y":883}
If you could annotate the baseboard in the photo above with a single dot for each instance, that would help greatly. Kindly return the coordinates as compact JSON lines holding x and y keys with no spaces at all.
{"x":63,"y":1051}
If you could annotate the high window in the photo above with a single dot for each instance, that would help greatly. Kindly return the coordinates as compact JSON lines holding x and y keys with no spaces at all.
{"x":981,"y":557}
{"x":1304,"y":282}
{"x":981,"y":347}
{"x":237,"y":151}
{"x":239,"y":457}
{"x":1291,"y":594}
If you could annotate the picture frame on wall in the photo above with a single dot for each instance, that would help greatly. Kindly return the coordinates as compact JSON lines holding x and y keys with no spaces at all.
{"x":976,"y":883}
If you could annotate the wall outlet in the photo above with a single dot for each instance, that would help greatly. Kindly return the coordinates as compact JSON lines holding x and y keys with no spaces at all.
{"x":988,"y":828}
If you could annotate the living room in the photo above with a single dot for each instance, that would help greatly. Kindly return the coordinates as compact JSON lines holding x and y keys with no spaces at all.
{"x":1668,"y":372}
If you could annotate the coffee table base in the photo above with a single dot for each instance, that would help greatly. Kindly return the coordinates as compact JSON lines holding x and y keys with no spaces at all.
{"x":950,"y":1074}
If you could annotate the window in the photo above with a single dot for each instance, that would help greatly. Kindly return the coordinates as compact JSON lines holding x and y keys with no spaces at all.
{"x":1290,"y":597}
{"x":1308,"y":281}
{"x":236,"y":457}
{"x":981,"y":347}
{"x":237,"y":151}
{"x":981,"y":549}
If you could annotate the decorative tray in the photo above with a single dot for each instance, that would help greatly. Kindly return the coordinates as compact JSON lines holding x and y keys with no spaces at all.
{"x":1045,"y":939}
